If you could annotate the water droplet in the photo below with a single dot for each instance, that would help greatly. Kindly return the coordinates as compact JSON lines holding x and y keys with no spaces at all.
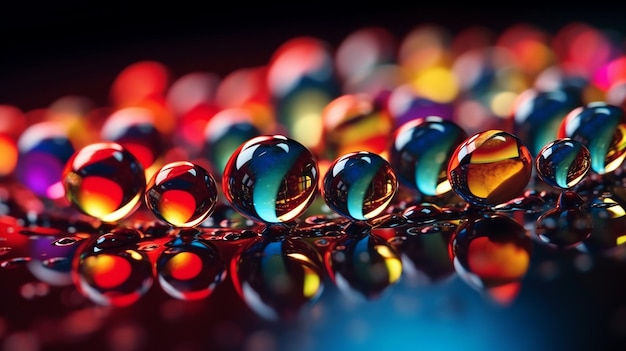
{"x":321,"y":242}
{"x":14,"y":262}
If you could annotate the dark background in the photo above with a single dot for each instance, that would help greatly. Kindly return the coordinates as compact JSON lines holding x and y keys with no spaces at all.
{"x":51,"y":49}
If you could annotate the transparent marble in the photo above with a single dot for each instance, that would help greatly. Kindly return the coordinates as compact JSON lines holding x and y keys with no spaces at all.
{"x":490,"y":168}
{"x":104,"y":181}
{"x":182,"y":194}
{"x":359,"y":185}
{"x":271,"y":179}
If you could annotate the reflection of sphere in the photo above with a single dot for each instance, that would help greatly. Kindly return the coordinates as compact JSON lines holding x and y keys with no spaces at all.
{"x":105,"y":181}
{"x":490,"y":168}
{"x":490,"y":251}
{"x":602,"y":129}
{"x":278,"y":277}
{"x":424,"y":252}
{"x":421,"y":151}
{"x":190,"y":270}
{"x":364,"y":266}
{"x":359,"y":185}
{"x":563,"y":163}
{"x":608,"y":228}
{"x":182,"y":194}
{"x":271,"y":179}
{"x":566,"y":225}
{"x":111,"y":271}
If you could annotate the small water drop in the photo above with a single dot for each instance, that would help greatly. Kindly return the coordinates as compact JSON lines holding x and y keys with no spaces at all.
{"x":14,"y":262}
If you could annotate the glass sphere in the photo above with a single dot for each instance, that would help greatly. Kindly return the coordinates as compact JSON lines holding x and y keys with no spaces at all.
{"x":44,"y":148}
{"x":271,"y":179}
{"x":359,"y":185}
{"x":421,"y":151}
{"x":182,"y":194}
{"x":537,"y":114}
{"x":563,"y":163}
{"x":104,"y":181}
{"x":490,"y":168}
{"x":602,"y":129}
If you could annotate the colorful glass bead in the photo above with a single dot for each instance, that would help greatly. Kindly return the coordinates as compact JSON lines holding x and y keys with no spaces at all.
{"x":44,"y":148}
{"x":602,"y":129}
{"x":421,"y":151}
{"x":405,"y":104}
{"x":278,"y":276}
{"x":490,"y":168}
{"x":490,"y":251}
{"x":563,"y":163}
{"x":302,"y":81}
{"x":226,"y":131}
{"x":355,"y":122}
{"x":104,"y":181}
{"x":190,"y":269}
{"x":271,"y":179}
{"x":359,"y":185}
{"x":135,"y":130}
{"x":182,"y":194}
{"x":8,"y":148}
{"x":537,"y":114}
{"x":566,"y":225}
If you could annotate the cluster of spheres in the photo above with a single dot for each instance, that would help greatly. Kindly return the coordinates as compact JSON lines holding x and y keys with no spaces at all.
{"x":333,"y":135}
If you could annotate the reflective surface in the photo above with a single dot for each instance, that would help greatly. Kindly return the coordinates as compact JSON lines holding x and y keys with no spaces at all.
{"x":524,"y":279}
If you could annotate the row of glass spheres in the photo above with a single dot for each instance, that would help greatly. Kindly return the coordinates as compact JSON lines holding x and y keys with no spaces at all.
{"x":273,"y":179}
